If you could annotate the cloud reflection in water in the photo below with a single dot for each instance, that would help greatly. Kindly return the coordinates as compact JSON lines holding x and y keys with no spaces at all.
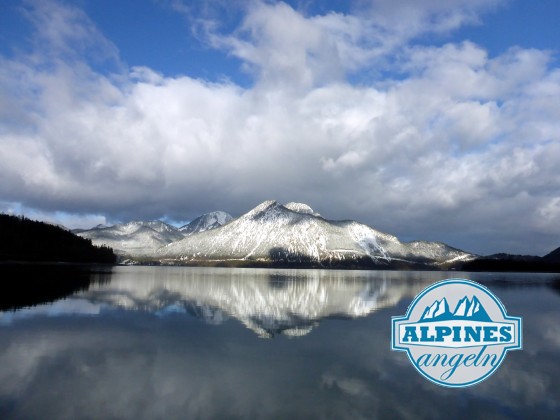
{"x":145,"y":354}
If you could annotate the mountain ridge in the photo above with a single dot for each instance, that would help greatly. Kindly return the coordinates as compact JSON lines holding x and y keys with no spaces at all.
{"x":207,"y":221}
{"x":135,"y":238}
{"x":141,"y":239}
{"x":294,"y":235}
{"x":272,"y":233}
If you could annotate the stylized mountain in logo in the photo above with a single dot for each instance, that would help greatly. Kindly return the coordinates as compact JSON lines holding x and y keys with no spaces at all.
{"x":471,"y":310}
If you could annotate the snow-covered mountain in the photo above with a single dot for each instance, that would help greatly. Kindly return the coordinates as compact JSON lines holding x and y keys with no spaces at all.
{"x":134,"y":239}
{"x":271,"y":234}
{"x":205,"y":222}
{"x":301,"y":208}
{"x":294,"y":234}
{"x":139,"y":239}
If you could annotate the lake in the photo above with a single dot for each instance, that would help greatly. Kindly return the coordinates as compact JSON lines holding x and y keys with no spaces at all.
{"x":177,"y":342}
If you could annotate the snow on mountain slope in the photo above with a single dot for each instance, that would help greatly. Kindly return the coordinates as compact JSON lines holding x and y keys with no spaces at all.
{"x":206,"y":222}
{"x":301,"y":208}
{"x":270,"y":232}
{"x":134,"y":239}
{"x":164,"y":228}
{"x":273,"y":232}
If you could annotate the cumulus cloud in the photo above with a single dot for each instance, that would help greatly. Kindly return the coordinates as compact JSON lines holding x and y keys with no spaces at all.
{"x":463,"y":148}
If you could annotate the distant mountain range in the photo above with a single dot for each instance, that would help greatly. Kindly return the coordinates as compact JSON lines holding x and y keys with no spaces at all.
{"x":134,"y":239}
{"x":271,"y":234}
{"x":139,"y":239}
{"x":290,"y":235}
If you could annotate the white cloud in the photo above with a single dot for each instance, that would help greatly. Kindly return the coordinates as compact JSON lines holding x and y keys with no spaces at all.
{"x":465,"y":143}
{"x":284,"y":48}
{"x":405,"y":19}
{"x":63,"y":31}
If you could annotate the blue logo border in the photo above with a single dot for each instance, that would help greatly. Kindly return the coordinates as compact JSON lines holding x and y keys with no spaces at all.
{"x":406,"y":317}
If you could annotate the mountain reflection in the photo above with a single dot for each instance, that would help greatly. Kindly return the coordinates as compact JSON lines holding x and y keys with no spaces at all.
{"x":130,"y":348}
{"x":269,"y":302}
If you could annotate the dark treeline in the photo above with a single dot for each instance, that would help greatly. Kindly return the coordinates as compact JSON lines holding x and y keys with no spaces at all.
{"x":26,"y":285}
{"x":22,"y":239}
{"x":520,"y":263}
{"x":537,"y":265}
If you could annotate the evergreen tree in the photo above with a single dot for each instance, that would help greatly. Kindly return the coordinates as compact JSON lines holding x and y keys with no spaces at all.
{"x":22,"y":239}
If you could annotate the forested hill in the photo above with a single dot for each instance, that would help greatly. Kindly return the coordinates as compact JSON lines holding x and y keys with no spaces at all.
{"x":22,"y":239}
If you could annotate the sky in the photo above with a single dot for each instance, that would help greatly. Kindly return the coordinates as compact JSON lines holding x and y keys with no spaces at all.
{"x":427,"y":119}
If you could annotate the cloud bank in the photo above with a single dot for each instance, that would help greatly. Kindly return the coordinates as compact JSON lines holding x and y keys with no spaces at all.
{"x":345,"y":112}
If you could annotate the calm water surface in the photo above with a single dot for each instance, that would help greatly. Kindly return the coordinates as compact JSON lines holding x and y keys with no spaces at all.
{"x":169,"y":342}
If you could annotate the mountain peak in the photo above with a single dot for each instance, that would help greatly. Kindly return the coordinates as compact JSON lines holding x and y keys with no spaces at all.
{"x":268,"y":204}
{"x":553,"y":256}
{"x":207,"y":221}
{"x":264,"y":207}
{"x":274,"y":206}
{"x":299,"y":208}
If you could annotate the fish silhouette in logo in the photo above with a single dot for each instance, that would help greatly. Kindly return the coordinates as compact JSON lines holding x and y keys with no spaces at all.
{"x":466,"y":309}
